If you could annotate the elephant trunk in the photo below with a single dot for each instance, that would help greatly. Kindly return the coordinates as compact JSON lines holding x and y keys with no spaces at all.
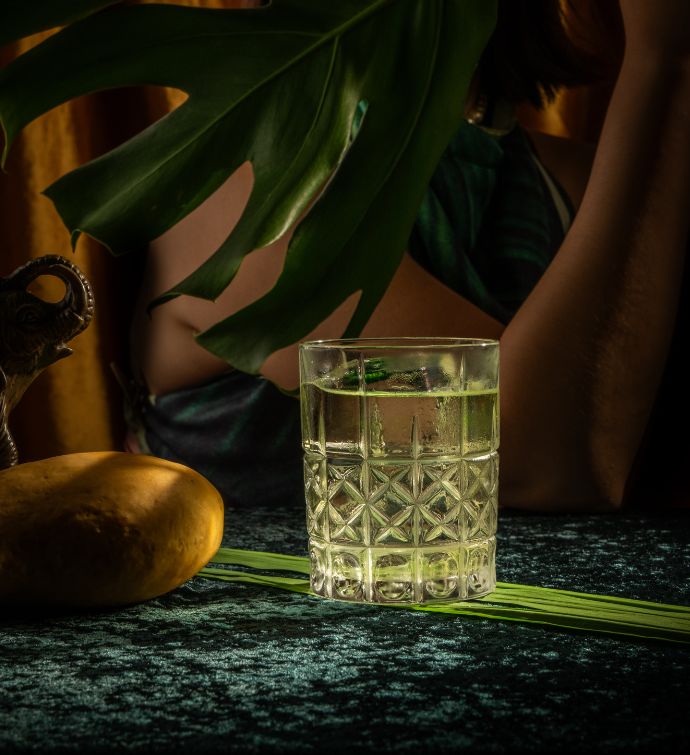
{"x":75,"y":311}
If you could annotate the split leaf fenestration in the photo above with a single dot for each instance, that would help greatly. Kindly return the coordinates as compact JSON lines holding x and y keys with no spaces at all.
{"x":280,"y":86}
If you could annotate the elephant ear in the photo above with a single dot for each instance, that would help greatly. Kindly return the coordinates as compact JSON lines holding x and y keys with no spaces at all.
{"x":283,"y":86}
{"x":78,"y":297}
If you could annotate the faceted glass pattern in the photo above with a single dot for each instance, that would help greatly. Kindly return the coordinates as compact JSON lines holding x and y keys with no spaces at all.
{"x":401,"y":487}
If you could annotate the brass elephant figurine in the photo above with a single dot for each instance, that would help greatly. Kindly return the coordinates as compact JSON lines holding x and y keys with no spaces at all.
{"x":34,"y":333}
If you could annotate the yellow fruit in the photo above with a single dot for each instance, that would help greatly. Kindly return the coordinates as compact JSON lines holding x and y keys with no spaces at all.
{"x":103,"y":529}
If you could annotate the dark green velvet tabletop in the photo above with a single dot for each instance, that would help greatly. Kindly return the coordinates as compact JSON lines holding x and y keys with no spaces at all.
{"x":219,"y":667}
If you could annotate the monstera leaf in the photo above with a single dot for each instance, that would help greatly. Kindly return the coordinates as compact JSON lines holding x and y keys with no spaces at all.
{"x":20,"y":19}
{"x":282,"y":86}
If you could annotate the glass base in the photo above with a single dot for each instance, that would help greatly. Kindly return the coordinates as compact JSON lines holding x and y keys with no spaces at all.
{"x":439,"y":573}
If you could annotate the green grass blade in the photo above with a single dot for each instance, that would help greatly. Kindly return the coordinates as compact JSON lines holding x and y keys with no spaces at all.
{"x":584,"y":607}
{"x":283,"y":583}
{"x":569,"y":595}
{"x":262,"y":560}
{"x":585,"y":612}
{"x":557,"y":608}
{"x":527,"y":616}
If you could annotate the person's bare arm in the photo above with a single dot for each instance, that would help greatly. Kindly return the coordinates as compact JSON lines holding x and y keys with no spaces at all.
{"x":583,"y":357}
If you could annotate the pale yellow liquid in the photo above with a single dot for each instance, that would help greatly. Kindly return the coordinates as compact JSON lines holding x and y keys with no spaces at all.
{"x":396,"y":483}
{"x":387,"y":423}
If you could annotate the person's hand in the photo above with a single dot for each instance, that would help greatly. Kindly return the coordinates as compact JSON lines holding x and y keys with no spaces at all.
{"x":660,"y":29}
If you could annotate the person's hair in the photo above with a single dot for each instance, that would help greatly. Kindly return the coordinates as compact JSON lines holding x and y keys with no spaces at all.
{"x":539,"y":46}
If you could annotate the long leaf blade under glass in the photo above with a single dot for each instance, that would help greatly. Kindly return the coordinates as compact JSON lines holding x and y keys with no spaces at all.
{"x":509,"y":602}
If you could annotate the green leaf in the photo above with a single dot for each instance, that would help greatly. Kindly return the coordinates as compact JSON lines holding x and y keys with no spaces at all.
{"x":21,"y":18}
{"x":562,"y":609}
{"x":229,"y":575}
{"x":279,"y":86}
{"x":354,"y":238}
{"x":262,"y":560}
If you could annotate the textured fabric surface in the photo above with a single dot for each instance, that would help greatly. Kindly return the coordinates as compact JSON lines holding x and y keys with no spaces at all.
{"x":217,"y":667}
{"x":488,"y":226}
{"x":238,"y":430}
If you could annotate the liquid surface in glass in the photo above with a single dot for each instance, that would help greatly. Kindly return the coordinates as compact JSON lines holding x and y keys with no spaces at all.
{"x":401,"y":489}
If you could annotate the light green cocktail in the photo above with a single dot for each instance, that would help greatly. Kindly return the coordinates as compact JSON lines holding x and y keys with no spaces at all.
{"x":400,"y":443}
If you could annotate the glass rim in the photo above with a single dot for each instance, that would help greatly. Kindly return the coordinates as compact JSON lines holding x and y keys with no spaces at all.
{"x":399,"y":342}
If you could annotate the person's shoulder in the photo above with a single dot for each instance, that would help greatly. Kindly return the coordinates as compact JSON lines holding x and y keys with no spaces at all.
{"x":568,"y":160}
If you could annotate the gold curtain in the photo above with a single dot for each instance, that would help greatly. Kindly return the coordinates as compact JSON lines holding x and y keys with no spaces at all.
{"x":75,"y":405}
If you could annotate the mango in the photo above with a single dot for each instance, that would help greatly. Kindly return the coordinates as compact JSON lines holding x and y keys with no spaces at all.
{"x":103,"y":529}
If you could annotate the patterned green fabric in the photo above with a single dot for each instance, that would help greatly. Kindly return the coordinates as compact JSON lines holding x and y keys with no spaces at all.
{"x":218,"y":667}
{"x":238,"y":430}
{"x":488,"y":226}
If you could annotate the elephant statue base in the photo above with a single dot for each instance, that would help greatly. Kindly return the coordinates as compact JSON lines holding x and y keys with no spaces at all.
{"x":34,"y":333}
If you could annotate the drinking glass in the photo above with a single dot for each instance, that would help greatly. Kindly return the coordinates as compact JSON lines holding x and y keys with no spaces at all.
{"x":400,"y":441}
